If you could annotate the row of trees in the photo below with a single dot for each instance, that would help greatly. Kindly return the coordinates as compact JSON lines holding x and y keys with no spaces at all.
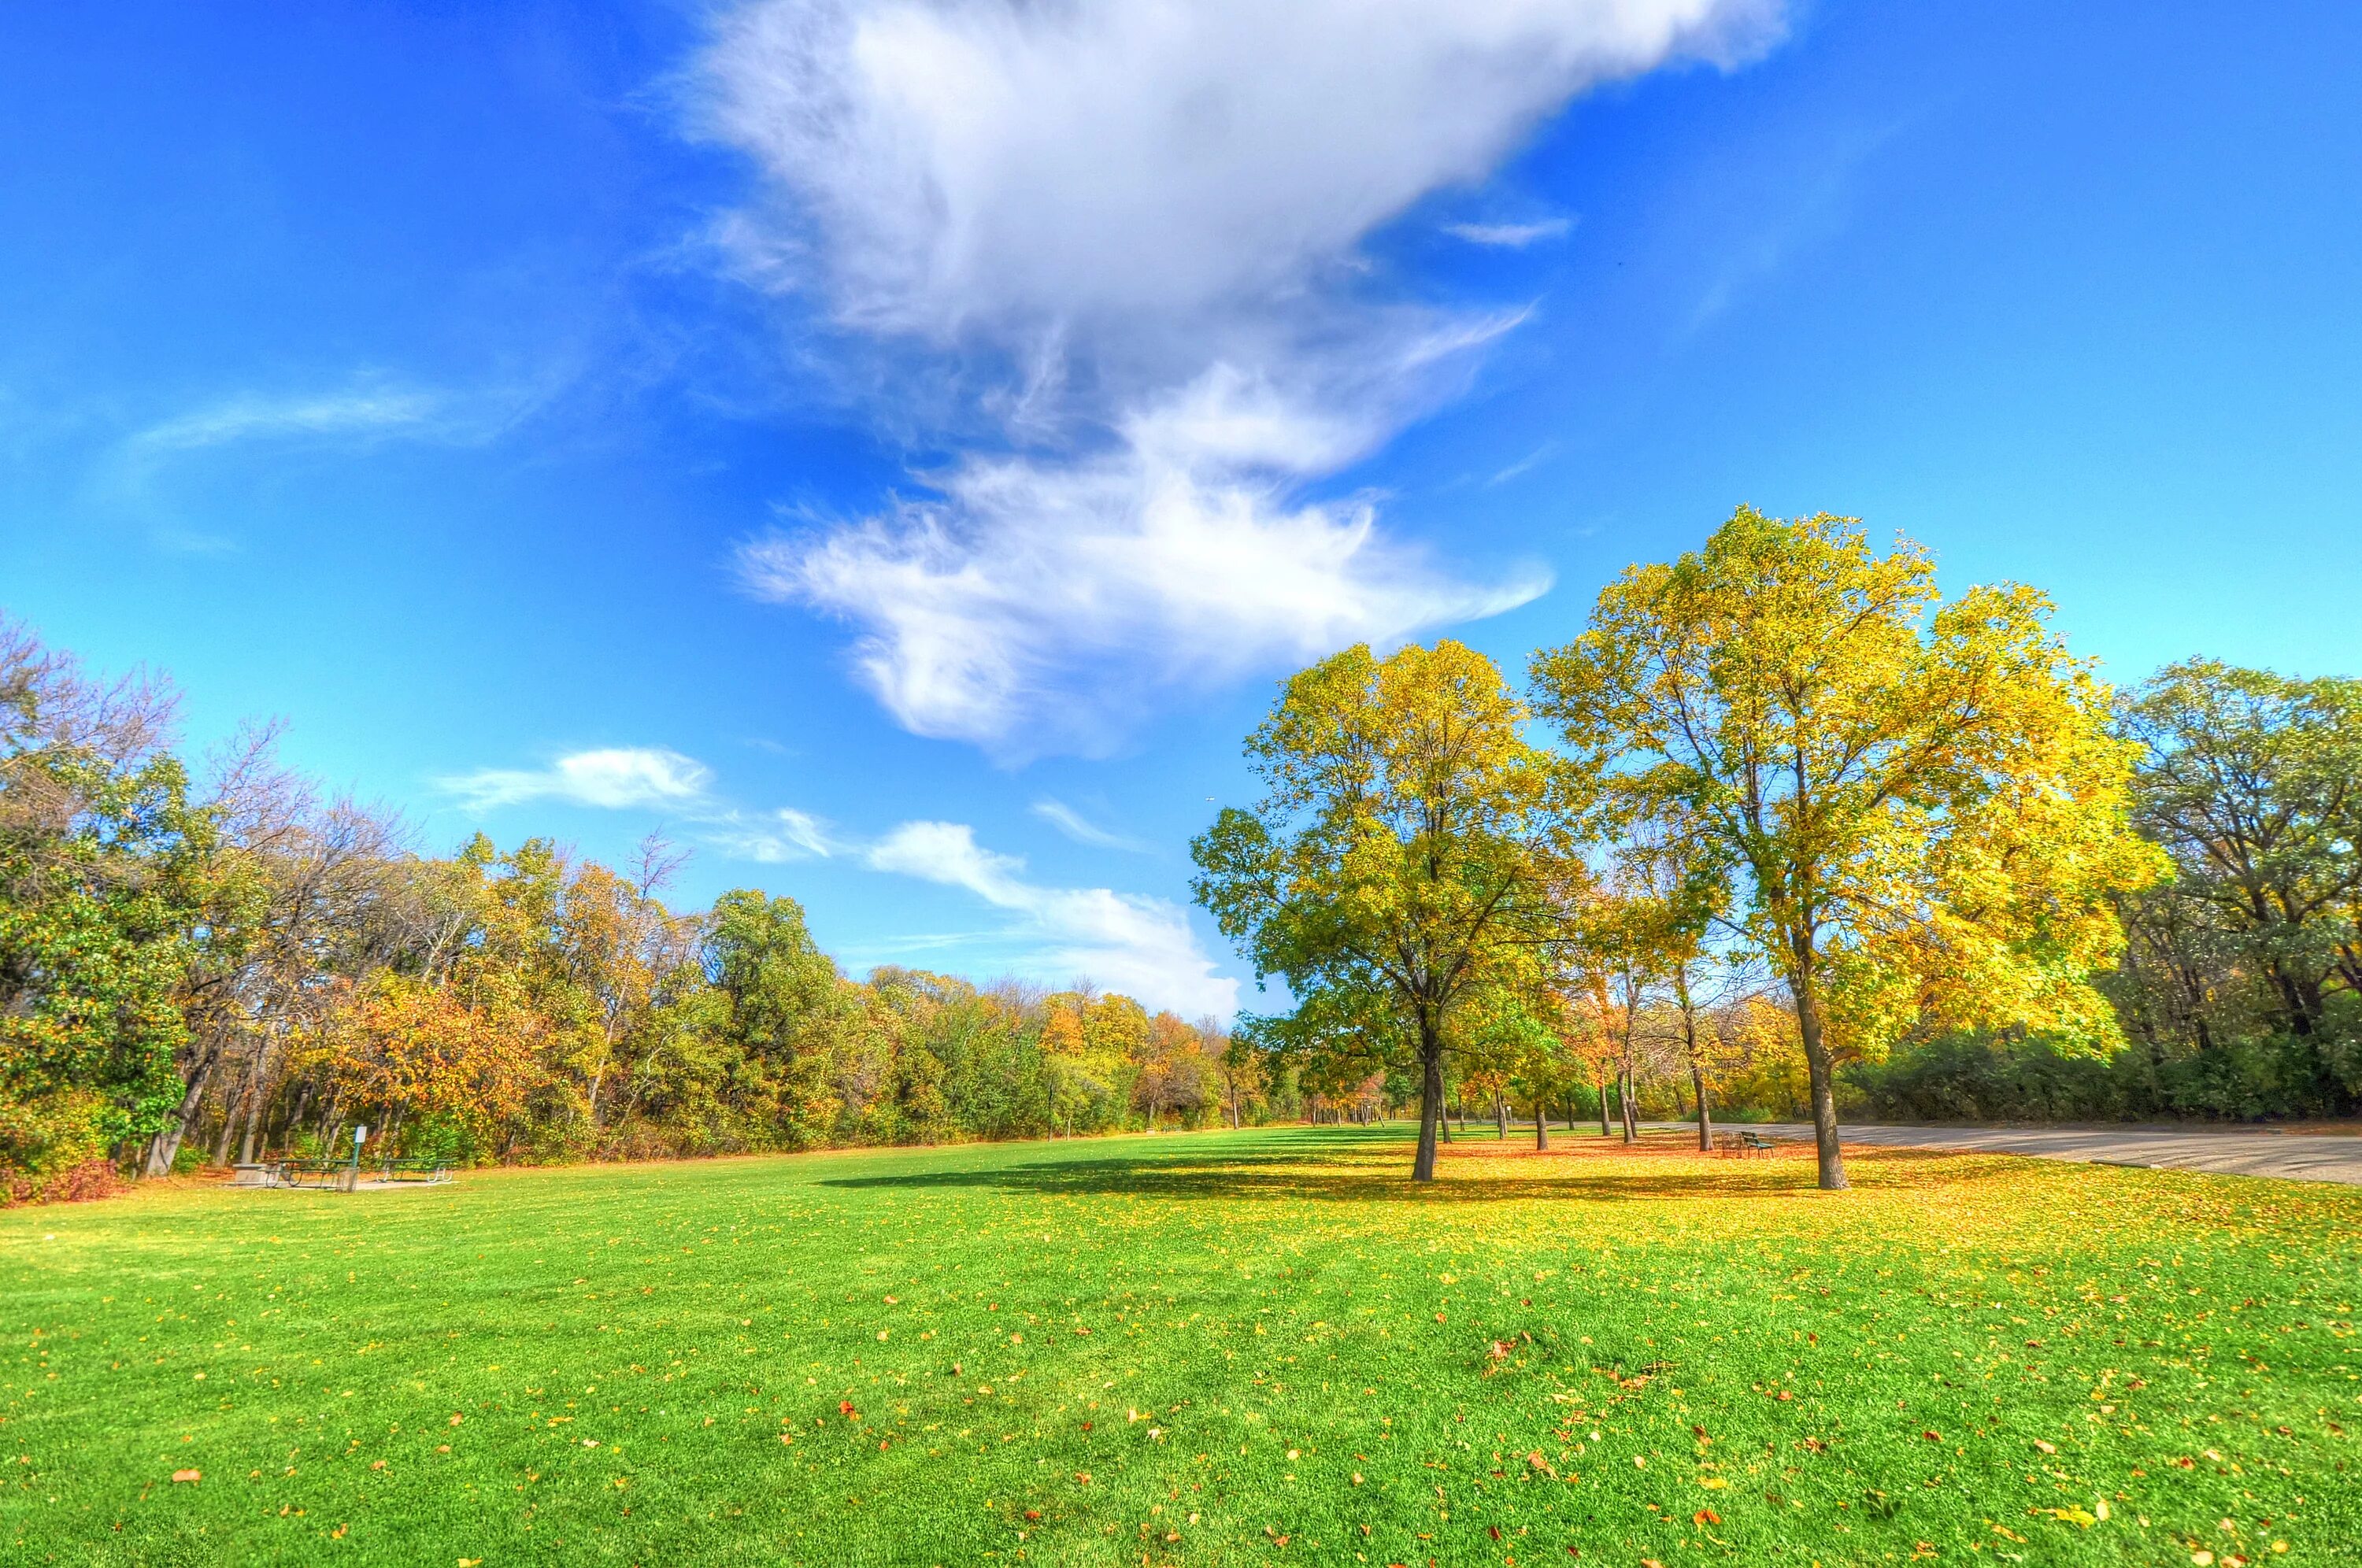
{"x":219,"y":965}
{"x":1782,"y":797}
{"x":1779,"y":826}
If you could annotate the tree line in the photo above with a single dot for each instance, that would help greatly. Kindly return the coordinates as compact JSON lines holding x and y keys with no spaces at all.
{"x":1779,"y":831}
{"x":1785,"y":822}
{"x":218,"y":963}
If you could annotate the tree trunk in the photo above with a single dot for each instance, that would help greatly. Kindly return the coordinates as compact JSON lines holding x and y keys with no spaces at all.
{"x":1697,"y":1072}
{"x":1603,"y":1108}
{"x":1501,"y":1118}
{"x":165,"y":1146}
{"x":1541,"y":1125}
{"x":1825,"y":1097}
{"x":1431,"y":1099}
{"x":231,"y":1105}
{"x":1631,"y":1111}
{"x":1706,"y":1117}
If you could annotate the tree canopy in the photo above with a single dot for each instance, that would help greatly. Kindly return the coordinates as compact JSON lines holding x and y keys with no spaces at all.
{"x":1395,"y":874}
{"x":1922,"y":802}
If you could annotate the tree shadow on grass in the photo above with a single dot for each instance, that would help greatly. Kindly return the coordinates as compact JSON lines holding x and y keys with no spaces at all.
{"x":1295,"y":1178}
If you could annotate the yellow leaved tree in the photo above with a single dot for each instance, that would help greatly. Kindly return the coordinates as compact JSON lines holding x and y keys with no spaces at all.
{"x":1396,"y":872}
{"x":1920,"y":803}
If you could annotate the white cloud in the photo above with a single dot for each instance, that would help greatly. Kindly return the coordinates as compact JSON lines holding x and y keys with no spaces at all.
{"x":341,"y":414}
{"x":613,"y":778}
{"x":1036,"y":603}
{"x":1075,"y":825}
{"x":1508,"y":235}
{"x":984,"y":164}
{"x":1126,"y":941}
{"x":369,"y":411}
{"x":1531,"y":460}
{"x":622,"y":778}
{"x":770,"y":838}
{"x":1108,"y":252}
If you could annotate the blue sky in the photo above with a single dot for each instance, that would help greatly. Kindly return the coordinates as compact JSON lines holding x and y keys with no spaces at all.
{"x":894,"y":448}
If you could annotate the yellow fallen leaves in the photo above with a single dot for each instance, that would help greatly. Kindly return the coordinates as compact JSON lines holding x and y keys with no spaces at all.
{"x":188,"y":1475}
{"x":1713,"y":1482}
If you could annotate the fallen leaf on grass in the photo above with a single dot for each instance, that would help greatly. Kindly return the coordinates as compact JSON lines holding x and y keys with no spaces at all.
{"x":188,"y":1475}
{"x":1706,"y":1517}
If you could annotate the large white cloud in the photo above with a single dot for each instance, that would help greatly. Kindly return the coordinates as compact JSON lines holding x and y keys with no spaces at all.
{"x":1125,"y":942}
{"x":1108,"y":252}
{"x":958,"y":163}
{"x":1033,"y":603}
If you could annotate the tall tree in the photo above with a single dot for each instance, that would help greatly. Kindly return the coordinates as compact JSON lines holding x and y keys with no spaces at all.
{"x":2252,"y":783}
{"x":1922,"y":801}
{"x":780,"y":995}
{"x":104,"y":881}
{"x":1672,"y":883}
{"x":1395,"y":871}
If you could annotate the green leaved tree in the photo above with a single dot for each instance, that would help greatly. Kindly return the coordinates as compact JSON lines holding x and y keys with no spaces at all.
{"x":1395,"y":873}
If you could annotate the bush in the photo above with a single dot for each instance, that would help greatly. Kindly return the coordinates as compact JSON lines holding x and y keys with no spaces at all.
{"x":75,"y":1183}
{"x":1968,"y":1077}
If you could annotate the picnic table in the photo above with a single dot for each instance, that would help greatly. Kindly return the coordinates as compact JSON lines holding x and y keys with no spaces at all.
{"x":343,"y":1175}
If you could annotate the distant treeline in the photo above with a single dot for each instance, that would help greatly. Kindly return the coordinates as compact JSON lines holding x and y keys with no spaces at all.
{"x":217,"y":963}
{"x":212,"y":965}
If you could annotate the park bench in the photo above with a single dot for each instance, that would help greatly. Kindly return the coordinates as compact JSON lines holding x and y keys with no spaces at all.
{"x":1743,"y":1144}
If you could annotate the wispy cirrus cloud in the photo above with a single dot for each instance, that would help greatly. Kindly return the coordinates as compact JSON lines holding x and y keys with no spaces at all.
{"x":769,"y":838}
{"x":1138,"y":946}
{"x":1075,"y":825}
{"x":1509,"y":236}
{"x":1113,"y":251}
{"x":368,"y":411}
{"x":613,"y":778}
{"x":246,"y":417}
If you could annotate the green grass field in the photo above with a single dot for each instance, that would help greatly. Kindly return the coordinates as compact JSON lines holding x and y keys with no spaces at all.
{"x":1209,"y":1348}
